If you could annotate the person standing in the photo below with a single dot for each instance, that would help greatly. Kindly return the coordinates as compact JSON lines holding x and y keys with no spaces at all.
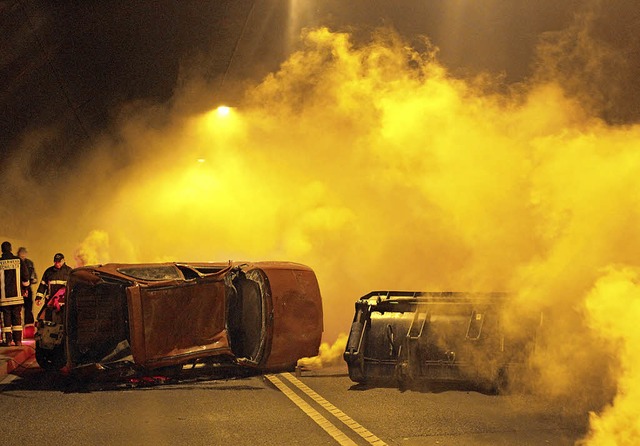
{"x":28,"y":299}
{"x":53,"y":284}
{"x":14,"y":280}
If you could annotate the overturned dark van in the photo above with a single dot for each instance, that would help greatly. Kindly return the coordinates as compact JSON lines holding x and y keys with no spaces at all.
{"x":262,"y":316}
{"x":411,"y":337}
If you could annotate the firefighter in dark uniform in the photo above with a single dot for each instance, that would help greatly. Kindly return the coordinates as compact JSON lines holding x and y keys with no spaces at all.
{"x":14,"y":279}
{"x":28,"y":299}
{"x":52,"y":286}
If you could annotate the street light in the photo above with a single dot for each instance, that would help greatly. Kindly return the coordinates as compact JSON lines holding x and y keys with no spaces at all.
{"x":223,"y":110}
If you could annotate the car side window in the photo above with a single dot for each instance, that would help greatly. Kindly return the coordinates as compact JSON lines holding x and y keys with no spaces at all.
{"x":157,"y":272}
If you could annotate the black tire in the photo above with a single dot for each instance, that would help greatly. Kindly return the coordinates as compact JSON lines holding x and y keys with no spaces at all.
{"x":50,"y":359}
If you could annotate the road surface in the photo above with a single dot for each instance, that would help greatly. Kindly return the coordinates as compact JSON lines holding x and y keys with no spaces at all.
{"x":310,"y":408}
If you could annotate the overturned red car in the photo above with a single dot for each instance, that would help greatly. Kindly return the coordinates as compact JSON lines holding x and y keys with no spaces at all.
{"x":262,"y":316}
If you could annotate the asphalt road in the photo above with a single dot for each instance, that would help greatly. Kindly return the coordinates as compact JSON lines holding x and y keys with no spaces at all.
{"x":323,"y":408}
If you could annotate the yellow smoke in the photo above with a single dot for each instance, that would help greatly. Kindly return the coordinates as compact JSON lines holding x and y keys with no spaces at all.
{"x":328,"y":354}
{"x":93,"y":250}
{"x":374,"y":166}
{"x":613,"y":307}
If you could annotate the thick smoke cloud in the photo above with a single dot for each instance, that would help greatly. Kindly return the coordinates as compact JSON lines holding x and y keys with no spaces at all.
{"x":378,"y":169}
{"x":375,"y":166}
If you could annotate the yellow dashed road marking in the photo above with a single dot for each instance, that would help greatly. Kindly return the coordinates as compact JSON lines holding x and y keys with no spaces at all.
{"x":351,"y":423}
{"x":312,"y":413}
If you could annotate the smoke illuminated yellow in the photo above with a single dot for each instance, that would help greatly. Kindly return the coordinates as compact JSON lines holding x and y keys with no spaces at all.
{"x":378,"y":169}
{"x":613,"y":305}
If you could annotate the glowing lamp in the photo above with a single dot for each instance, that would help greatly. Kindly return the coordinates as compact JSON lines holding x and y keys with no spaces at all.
{"x":223,"y":110}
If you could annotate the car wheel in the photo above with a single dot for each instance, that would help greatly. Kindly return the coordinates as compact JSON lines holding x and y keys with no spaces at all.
{"x":50,"y":359}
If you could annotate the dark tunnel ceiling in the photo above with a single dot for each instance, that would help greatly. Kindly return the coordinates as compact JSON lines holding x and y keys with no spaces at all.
{"x":68,"y":65}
